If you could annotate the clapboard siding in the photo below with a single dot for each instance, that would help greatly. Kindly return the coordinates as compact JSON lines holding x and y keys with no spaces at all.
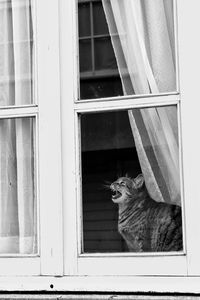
{"x":100,"y":218}
{"x":104,"y":246}
{"x":99,"y":206}
{"x":97,"y":215}
{"x":100,"y":214}
{"x":100,"y":225}
{"x":105,"y":235}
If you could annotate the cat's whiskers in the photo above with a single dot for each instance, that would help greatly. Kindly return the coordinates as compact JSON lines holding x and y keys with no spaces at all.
{"x":106,"y":185}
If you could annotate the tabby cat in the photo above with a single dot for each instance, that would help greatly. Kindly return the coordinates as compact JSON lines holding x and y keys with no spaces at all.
{"x":146,"y":225}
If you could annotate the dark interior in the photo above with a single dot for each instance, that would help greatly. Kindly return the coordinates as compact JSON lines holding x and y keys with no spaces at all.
{"x":108,"y":152}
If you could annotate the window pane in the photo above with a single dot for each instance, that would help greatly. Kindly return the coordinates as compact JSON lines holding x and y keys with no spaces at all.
{"x":16,"y":53}
{"x":85,"y":55}
{"x":142,"y":47}
{"x":84,"y":19}
{"x":100,"y":25}
{"x":130,"y":181}
{"x":98,"y":88}
{"x":104,"y":56}
{"x":17,"y":187}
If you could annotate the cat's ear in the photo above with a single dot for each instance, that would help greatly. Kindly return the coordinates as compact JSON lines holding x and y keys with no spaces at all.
{"x":139,"y":180}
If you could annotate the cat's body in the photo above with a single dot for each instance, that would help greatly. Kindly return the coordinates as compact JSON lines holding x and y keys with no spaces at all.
{"x":146,"y":225}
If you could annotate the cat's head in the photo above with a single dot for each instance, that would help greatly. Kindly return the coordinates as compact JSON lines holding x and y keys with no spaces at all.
{"x":125,"y":188}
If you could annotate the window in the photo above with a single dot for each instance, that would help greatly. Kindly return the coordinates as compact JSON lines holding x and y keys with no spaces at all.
{"x":104,"y":145}
{"x":130,"y":142}
{"x":109,"y":150}
{"x":18,"y":126}
{"x":109,"y":146}
{"x":23,"y":180}
{"x":97,"y":103}
{"x":18,"y":132}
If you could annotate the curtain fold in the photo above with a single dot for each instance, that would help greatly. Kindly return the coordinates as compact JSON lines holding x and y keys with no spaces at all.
{"x":17,"y":204}
{"x":142,"y":35}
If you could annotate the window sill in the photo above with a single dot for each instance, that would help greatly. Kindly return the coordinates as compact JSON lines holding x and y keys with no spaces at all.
{"x":121,"y":284}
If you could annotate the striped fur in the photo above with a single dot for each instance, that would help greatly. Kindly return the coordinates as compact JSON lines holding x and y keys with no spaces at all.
{"x":146,"y":225}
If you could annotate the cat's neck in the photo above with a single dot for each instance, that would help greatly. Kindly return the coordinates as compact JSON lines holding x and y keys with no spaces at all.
{"x":135,"y":201}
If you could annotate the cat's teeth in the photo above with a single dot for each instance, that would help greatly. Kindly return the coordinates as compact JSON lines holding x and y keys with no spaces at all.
{"x":116,"y":195}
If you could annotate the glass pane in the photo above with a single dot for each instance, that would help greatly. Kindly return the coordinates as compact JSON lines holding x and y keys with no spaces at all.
{"x":130,"y":181}
{"x":16,"y":53}
{"x":18,"y":229}
{"x":85,"y":55}
{"x":100,"y":25}
{"x":98,"y":88}
{"x":142,"y":47}
{"x":104,"y":55}
{"x":84,"y":19}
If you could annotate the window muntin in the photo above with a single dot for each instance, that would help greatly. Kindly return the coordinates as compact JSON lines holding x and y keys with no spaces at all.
{"x":109,"y":152}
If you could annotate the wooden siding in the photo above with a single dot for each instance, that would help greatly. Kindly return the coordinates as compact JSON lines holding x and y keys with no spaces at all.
{"x":100,"y":214}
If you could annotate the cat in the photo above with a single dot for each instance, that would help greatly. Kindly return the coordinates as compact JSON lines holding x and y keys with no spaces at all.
{"x":144,"y":224}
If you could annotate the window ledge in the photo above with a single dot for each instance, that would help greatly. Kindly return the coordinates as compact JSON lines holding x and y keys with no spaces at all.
{"x":117,"y":284}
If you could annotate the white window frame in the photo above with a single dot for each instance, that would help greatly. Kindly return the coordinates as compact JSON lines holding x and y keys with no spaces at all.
{"x":58,"y":219}
{"x":189,"y":45}
{"x":112,"y":264}
{"x":50,"y":168}
{"x":105,"y":264}
{"x":46,"y":114}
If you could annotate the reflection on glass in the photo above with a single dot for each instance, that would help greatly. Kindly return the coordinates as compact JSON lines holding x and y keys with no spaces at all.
{"x":17,"y":187}
{"x":142,"y":46}
{"x":131,"y":181}
{"x":16,"y":53}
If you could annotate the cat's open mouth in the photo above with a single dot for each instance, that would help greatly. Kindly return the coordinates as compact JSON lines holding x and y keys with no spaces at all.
{"x":116,"y":195}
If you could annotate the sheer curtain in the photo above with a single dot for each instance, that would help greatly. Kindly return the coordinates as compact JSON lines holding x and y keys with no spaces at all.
{"x":142,"y":35}
{"x":17,"y":207}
